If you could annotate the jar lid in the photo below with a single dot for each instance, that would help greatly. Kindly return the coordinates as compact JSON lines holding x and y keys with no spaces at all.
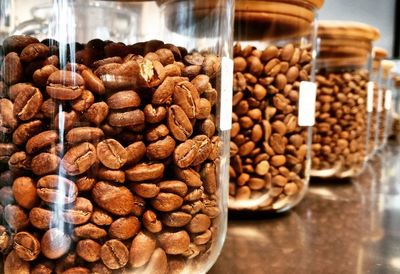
{"x":256,"y":19}
{"x":349,"y":29}
{"x":387,"y":65}
{"x":380,"y":53}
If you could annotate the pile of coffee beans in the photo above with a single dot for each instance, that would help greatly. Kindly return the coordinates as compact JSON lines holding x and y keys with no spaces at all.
{"x":109,"y":161}
{"x":339,"y":134}
{"x":268,"y":148}
{"x":382,"y":122}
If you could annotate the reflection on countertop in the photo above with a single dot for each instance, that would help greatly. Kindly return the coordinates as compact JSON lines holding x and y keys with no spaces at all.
{"x":346,"y":227}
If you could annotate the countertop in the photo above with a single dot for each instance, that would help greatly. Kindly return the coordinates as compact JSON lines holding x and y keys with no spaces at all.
{"x":341,"y":227}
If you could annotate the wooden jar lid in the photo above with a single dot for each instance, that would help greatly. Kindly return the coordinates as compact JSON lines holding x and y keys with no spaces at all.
{"x":258,"y":19}
{"x":347,"y":29}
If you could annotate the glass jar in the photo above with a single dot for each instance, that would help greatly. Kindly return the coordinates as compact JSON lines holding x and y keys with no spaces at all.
{"x":374,"y":86}
{"x":386,"y":104}
{"x":273,"y":58}
{"x":340,"y":133}
{"x":114,"y":136}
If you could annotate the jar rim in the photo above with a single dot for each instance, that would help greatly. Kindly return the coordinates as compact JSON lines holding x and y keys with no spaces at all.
{"x":357,"y":30}
{"x":380,"y":53}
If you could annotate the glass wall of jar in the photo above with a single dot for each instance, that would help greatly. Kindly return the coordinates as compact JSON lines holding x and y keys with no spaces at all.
{"x":384,"y":114}
{"x":395,"y":123}
{"x":273,"y":56}
{"x":340,"y":133}
{"x":114,"y":126}
{"x":378,"y":54}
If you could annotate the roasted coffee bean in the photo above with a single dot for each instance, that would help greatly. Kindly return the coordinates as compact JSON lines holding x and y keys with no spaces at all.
{"x":117,"y":176}
{"x":143,"y":246}
{"x":88,"y":250}
{"x":166,"y":202}
{"x":19,"y":160}
{"x":45,"y":163}
{"x":161,"y":149}
{"x":64,"y":85}
{"x":173,"y":186}
{"x":124,"y":99}
{"x":41,"y":218}
{"x":42,"y":140}
{"x":145,"y":172}
{"x":90,"y":231}
{"x":151,"y":222}
{"x":111,"y":154}
{"x":114,"y":254}
{"x":16,"y":217}
{"x":174,"y":243}
{"x":79,"y":158}
{"x":92,"y":82}
{"x":185,"y":153}
{"x":24,"y":191}
{"x":55,"y":243}
{"x":178,"y":123}
{"x":13,"y":264}
{"x":5,"y":240}
{"x":6,"y":151}
{"x":176,"y":219}
{"x":124,"y":228}
{"x":12,"y":69}
{"x":117,"y":200}
{"x":8,"y":121}
{"x":97,"y":113}
{"x":34,"y":51}
{"x":25,"y":131}
{"x":26,"y":246}
{"x":79,"y":213}
{"x":40,"y":76}
{"x":77,"y":270}
{"x":209,"y":177}
{"x":145,"y":190}
{"x":84,"y":102}
{"x":56,"y":189}
{"x":84,"y":134}
{"x":65,"y":120}
{"x":154,"y":114}
{"x":128,"y":118}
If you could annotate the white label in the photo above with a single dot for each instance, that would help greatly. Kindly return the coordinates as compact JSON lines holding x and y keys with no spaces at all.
{"x":388,"y":99}
{"x":370,"y":96}
{"x":380,"y":99}
{"x":226,"y":94}
{"x":307,"y":98}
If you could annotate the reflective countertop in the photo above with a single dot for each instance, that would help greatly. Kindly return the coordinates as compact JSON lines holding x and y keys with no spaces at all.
{"x":341,"y":227}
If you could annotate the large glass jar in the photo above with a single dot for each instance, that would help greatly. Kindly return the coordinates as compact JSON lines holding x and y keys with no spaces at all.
{"x":386,"y":104}
{"x":374,"y":87}
{"x":273,"y":59}
{"x":114,"y":136}
{"x":340,"y":133}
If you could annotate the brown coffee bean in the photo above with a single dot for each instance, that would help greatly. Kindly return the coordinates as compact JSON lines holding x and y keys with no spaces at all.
{"x":124,"y":99}
{"x":26,"y":131}
{"x":157,"y":133}
{"x":41,"y":141}
{"x":166,"y":202}
{"x":77,"y":270}
{"x":84,"y":134}
{"x":26,"y":246}
{"x":187,"y":97}
{"x":204,"y":149}
{"x":209,"y":177}
{"x":154,"y":114}
{"x":55,"y":243}
{"x":111,"y":154}
{"x":117,"y":200}
{"x":199,"y":223}
{"x":150,"y":222}
{"x":188,"y":176}
{"x":101,"y":217}
{"x":173,"y":186}
{"x":145,"y":190}
{"x":143,"y":246}
{"x":19,"y":160}
{"x":6,"y":151}
{"x":84,"y":102}
{"x":174,"y":243}
{"x":5,"y":240}
{"x":66,"y":120}
{"x":56,"y":189}
{"x":40,"y":76}
{"x":64,"y":85}
{"x":93,"y":83}
{"x":117,"y":176}
{"x":12,"y":69}
{"x":17,"y":43}
{"x":176,"y":219}
{"x":88,"y":250}
{"x":128,"y":118}
{"x":85,"y":183}
{"x":178,"y":123}
{"x":34,"y":51}
{"x":124,"y":228}
{"x":161,"y":149}
{"x":43,"y":268}
{"x":24,"y":191}
{"x":49,"y":108}
{"x":135,"y":152}
{"x":79,"y":213}
{"x":100,"y":268}
{"x":45,"y":163}
{"x":41,"y":218}
{"x":13,"y":264}
{"x":145,"y":172}
{"x":15,"y":217}
{"x":186,"y":153}
{"x":89,"y":231}
{"x":8,"y":121}
{"x":97,"y":113}
{"x":114,"y":254}
{"x":79,"y":158}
